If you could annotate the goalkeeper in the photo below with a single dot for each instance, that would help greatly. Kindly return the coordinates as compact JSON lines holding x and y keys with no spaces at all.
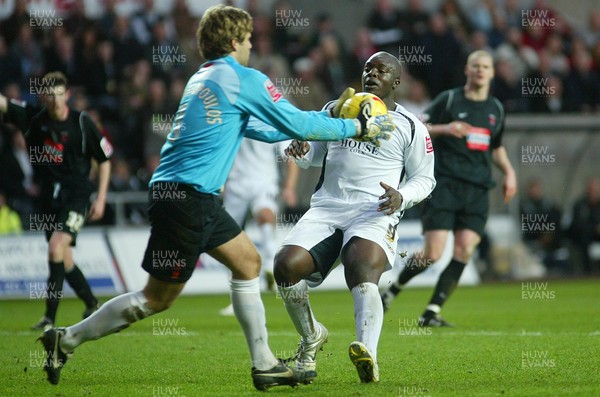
{"x":354,"y":213}
{"x":186,"y":214}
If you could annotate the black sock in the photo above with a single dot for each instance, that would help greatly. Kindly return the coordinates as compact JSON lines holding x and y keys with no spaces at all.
{"x":81,"y":287}
{"x":413,"y":267}
{"x":54,"y":288}
{"x":447,"y":282}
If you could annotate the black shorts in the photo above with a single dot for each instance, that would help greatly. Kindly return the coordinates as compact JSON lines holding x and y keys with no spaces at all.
{"x":184,"y":223}
{"x":326,"y":253}
{"x":456,"y":205}
{"x":65,"y":213}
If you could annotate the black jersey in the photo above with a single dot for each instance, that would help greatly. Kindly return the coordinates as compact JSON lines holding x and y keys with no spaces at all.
{"x":62,"y":151}
{"x":20,"y":113}
{"x":470,"y":158}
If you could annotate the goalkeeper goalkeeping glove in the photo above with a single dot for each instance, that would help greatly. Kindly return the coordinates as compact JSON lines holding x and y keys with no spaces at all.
{"x":373,"y":129}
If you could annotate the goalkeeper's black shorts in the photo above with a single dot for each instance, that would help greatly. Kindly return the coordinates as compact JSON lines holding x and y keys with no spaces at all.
{"x":184,"y":223}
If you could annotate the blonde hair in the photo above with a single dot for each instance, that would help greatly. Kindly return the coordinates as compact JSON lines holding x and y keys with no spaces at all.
{"x":479,"y":54}
{"x":219,"y":25}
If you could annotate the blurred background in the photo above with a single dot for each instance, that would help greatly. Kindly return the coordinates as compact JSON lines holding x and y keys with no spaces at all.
{"x":128,"y":62}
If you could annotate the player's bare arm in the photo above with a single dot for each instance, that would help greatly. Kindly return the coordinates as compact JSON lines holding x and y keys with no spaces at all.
{"x":392,"y":199}
{"x":509,"y":185}
{"x":288,"y":191}
{"x":99,"y":204}
{"x":457,"y":129}
{"x":3,"y":104}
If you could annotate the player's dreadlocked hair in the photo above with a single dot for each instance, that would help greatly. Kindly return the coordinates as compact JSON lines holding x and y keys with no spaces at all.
{"x":219,"y":25}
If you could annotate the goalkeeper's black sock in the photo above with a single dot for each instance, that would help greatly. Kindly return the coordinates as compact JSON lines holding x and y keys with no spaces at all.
{"x":447,"y":282}
{"x":54,"y":288}
{"x":81,"y":287}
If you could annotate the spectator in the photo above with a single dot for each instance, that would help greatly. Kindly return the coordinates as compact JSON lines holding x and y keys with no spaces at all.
{"x":10,"y":223}
{"x":582,"y":84}
{"x":512,"y":13}
{"x":126,"y":50}
{"x":11,"y":27}
{"x":507,"y":87}
{"x":384,"y":23}
{"x":142,"y":24}
{"x":417,"y":99}
{"x":541,"y":228}
{"x":555,"y":51}
{"x":592,"y":34}
{"x":325,"y":28}
{"x":270,"y":63}
{"x":456,"y":20}
{"x":555,"y":101}
{"x":60,"y":55}
{"x":29,"y":52}
{"x":104,"y":89}
{"x":314,"y":94}
{"x":286,"y":41}
{"x":362,"y":50}
{"x":121,"y":180}
{"x":522,"y":59}
{"x":444,"y":70}
{"x":478,"y":41}
{"x":584,"y":229}
{"x":9,"y":64}
{"x":333,"y":71}
{"x":413,"y":21}
{"x":158,"y":118}
{"x":481,"y":15}
{"x":107,"y":22}
{"x":498,"y":33}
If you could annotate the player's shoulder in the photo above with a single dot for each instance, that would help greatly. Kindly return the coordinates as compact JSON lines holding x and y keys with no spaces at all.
{"x":496,"y":102}
{"x":406,"y":118}
{"x":408,"y":125}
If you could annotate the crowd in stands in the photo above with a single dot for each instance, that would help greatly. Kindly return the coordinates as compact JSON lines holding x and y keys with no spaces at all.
{"x":128,"y":66}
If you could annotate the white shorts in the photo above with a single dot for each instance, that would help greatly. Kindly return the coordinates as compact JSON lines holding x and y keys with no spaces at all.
{"x":319,"y":223}
{"x":239,"y":199}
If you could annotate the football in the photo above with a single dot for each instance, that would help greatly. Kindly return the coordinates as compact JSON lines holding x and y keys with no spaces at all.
{"x":373,"y":106}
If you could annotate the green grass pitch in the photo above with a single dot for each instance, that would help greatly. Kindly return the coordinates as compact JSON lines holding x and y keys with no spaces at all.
{"x":515,"y":339}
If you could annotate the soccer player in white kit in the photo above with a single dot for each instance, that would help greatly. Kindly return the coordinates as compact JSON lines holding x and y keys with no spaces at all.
{"x":253,"y":185}
{"x":354,"y":213}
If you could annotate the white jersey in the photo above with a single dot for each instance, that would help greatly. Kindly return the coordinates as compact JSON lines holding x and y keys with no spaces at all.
{"x":353,"y":169}
{"x":255,"y":162}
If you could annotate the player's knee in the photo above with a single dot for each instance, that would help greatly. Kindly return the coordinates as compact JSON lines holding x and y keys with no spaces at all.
{"x":265,"y":216}
{"x":463,"y":252}
{"x":247,"y":269}
{"x":56,"y":250}
{"x":288,"y":266}
{"x":431,"y":255}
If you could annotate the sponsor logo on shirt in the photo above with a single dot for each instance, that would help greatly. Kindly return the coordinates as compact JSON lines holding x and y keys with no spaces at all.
{"x":462,"y":115}
{"x":492,"y":119}
{"x":106,"y":147}
{"x":478,"y":139}
{"x":428,"y":145}
{"x":272,"y":90}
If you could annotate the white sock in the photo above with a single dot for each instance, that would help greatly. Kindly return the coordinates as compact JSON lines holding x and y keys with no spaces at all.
{"x":434,"y":308}
{"x":250,"y":313}
{"x":368,"y":315}
{"x":297,"y":305}
{"x":116,"y":314}
{"x":268,"y":247}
